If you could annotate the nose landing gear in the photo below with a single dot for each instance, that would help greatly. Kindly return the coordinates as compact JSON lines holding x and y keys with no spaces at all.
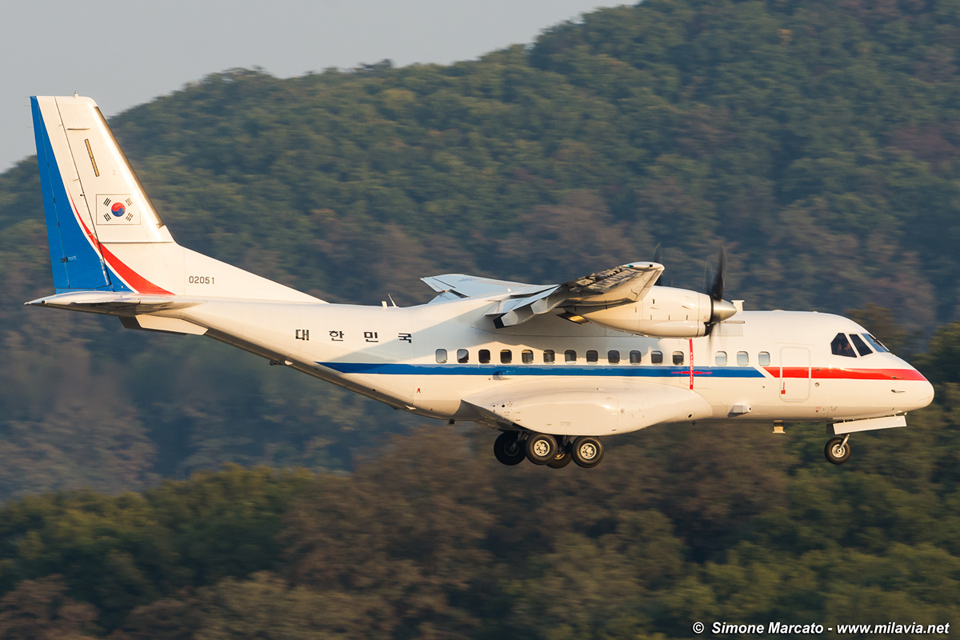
{"x":837,"y":450}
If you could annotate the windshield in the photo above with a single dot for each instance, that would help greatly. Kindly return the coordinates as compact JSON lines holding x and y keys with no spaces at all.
{"x":876,"y":344}
{"x":861,"y":346}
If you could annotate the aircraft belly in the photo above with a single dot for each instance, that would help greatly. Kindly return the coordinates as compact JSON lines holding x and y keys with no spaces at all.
{"x":578,"y":407}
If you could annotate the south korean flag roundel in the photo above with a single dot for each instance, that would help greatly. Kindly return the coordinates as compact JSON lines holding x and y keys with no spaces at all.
{"x":117,"y":209}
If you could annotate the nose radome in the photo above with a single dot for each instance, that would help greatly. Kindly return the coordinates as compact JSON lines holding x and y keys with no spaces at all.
{"x":925,"y":397}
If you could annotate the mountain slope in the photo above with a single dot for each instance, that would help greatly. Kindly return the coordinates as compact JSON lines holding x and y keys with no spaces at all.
{"x":817,"y":141}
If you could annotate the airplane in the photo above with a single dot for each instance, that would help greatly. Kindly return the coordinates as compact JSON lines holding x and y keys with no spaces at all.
{"x":553,"y":367}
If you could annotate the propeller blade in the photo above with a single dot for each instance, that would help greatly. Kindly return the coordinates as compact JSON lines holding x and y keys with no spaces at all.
{"x":721,"y":309}
{"x":716,"y":290}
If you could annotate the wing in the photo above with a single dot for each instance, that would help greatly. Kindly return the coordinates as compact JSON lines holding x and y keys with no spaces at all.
{"x":620,"y":285}
{"x":458,"y":285}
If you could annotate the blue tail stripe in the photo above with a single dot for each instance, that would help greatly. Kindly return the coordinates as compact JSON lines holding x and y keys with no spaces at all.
{"x":74,"y":262}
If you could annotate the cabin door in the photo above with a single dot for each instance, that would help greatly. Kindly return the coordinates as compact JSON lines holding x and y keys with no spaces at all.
{"x":794,"y":374}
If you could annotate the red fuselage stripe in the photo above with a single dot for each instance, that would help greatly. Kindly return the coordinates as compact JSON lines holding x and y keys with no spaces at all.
{"x":838,"y":373}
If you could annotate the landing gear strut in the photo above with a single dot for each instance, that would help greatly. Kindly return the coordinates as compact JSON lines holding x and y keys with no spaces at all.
{"x":837,"y":450}
{"x":563,"y":456}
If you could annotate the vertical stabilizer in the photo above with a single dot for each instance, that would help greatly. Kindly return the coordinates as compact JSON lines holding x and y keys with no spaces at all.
{"x":91,"y":197}
{"x":104,"y":232}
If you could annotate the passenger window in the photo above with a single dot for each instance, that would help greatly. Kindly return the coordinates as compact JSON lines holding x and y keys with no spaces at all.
{"x":862,"y":348}
{"x":635,"y":357}
{"x":441,"y":355}
{"x":463,"y":356}
{"x":549,"y":356}
{"x":721,"y":358}
{"x":743,"y":358}
{"x":506,"y":356}
{"x":656,"y":357}
{"x":592,"y":356}
{"x":876,"y":344}
{"x":570,"y":356}
{"x":763,"y":358}
{"x":526,"y":356}
{"x":841,"y":347}
{"x":613,"y":357}
{"x":484,"y":356}
{"x":678,"y":357}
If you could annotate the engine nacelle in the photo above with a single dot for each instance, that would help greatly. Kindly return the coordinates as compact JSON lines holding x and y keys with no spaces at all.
{"x":664,"y":312}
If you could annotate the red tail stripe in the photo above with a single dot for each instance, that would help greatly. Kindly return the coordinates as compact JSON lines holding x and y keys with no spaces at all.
{"x":132,"y":278}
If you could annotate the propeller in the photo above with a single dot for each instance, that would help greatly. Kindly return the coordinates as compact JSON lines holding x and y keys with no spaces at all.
{"x":721,"y":309}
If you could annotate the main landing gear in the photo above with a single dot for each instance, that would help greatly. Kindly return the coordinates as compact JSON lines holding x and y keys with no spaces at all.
{"x":556,"y":452}
{"x":838,"y":449}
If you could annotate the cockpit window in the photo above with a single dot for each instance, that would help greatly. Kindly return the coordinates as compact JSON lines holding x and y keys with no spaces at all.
{"x":841,"y":347}
{"x":876,"y":344}
{"x":862,"y":348}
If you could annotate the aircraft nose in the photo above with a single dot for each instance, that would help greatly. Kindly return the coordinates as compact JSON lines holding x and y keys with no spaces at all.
{"x":925,"y":395}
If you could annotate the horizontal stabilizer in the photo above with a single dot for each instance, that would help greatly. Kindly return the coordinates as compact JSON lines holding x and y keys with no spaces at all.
{"x":114,"y":303}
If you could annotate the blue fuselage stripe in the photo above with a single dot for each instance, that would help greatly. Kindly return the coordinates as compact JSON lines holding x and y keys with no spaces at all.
{"x":621,"y":371}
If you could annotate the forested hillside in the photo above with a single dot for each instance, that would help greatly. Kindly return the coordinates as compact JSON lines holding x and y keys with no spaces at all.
{"x":435,"y":539}
{"x":817,"y":141}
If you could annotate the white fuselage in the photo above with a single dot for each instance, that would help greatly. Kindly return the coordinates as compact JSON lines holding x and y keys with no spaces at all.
{"x":761,"y":365}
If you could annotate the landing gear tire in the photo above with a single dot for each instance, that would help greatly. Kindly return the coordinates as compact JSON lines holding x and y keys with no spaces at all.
{"x":562,"y":458}
{"x":508,"y":449}
{"x":837,"y":450}
{"x":587,"y":451}
{"x":541,"y":448}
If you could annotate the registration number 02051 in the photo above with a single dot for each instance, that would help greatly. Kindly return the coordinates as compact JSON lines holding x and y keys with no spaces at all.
{"x":200,"y":279}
